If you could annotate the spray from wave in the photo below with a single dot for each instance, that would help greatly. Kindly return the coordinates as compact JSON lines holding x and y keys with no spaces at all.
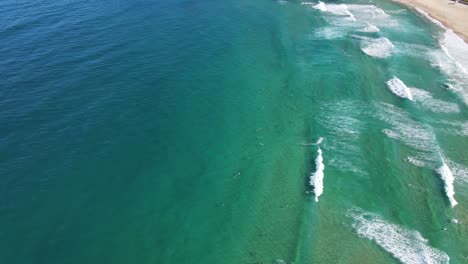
{"x":447,"y":176}
{"x":316,"y":178}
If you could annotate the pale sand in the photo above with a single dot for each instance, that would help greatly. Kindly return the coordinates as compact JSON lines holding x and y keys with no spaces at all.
{"x":453,"y":16}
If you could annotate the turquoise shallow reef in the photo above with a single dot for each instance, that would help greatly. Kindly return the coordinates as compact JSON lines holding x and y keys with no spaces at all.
{"x":246,"y":131}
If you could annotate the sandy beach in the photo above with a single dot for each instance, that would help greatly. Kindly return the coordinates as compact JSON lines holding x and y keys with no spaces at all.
{"x":453,"y":16}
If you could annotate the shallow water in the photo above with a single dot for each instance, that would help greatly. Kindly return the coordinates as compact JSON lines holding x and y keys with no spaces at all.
{"x":187,"y":132}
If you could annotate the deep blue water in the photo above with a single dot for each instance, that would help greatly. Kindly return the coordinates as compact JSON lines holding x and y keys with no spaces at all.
{"x":180,"y":132}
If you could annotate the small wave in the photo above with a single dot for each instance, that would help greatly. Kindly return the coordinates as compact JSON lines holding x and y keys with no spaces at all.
{"x":339,"y":10}
{"x":320,"y":6}
{"x":316,"y":178}
{"x":408,"y":246}
{"x":319,"y":141}
{"x":399,"y":88}
{"x":416,"y":162}
{"x":373,"y":14}
{"x":370,"y":29}
{"x":379,"y":48}
{"x":447,"y":176}
{"x":371,"y":11}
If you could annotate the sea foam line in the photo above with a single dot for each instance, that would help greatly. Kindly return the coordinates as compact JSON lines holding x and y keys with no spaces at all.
{"x":447,"y":176}
{"x":408,"y":246}
{"x":316,"y":178}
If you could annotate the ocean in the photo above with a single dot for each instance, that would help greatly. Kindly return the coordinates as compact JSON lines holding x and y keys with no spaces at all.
{"x":229,"y":131}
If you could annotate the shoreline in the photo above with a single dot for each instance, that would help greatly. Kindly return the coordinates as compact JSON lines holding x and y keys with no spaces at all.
{"x":452,"y":16}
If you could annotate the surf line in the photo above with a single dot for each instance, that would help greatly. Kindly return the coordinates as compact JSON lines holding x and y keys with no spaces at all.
{"x":316,"y":178}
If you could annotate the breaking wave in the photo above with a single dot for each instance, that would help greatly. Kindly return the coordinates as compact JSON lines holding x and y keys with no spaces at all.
{"x":379,"y":47}
{"x":316,"y":178}
{"x":399,"y":88}
{"x":406,"y":245}
{"x":447,"y":176}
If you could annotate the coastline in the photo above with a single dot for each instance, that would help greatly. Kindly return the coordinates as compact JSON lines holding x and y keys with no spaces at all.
{"x":452,"y":16}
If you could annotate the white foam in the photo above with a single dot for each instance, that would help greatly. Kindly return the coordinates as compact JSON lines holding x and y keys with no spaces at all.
{"x":373,"y":14}
{"x":406,"y":245}
{"x":320,"y":6}
{"x":339,"y":10}
{"x":344,"y":120}
{"x":399,"y":88}
{"x":328,"y":33}
{"x":319,"y":141}
{"x":316,"y":178}
{"x":459,"y":171}
{"x":456,"y":49}
{"x":453,"y":127}
{"x":447,"y":176}
{"x":416,"y":162}
{"x":455,"y":62}
{"x":370,"y":11}
{"x":370,"y":29}
{"x":414,"y":134}
{"x":379,"y":47}
{"x":426,"y":100}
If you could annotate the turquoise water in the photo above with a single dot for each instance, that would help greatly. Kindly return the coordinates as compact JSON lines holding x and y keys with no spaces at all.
{"x":183,"y":132}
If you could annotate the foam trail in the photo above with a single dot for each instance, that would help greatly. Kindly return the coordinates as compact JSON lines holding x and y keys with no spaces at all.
{"x":399,"y":88}
{"x":379,"y":48}
{"x":447,"y":177}
{"x":316,"y":178}
{"x":408,"y":246}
